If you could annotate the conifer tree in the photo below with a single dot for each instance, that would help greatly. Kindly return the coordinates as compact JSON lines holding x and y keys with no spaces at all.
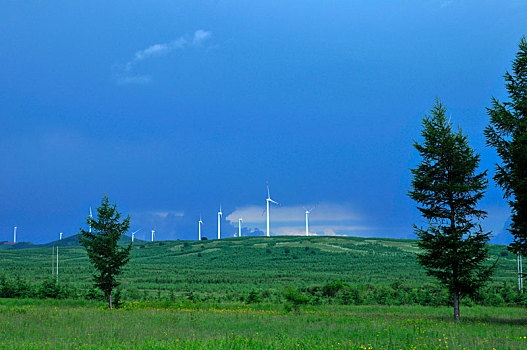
{"x":102,"y":246}
{"x":507,"y":133}
{"x":447,"y":187}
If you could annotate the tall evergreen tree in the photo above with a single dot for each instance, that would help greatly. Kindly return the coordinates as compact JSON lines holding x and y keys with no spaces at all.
{"x":447,"y":187}
{"x":507,"y":133}
{"x":102,"y":246}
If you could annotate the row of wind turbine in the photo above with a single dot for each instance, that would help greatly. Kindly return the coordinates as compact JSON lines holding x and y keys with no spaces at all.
{"x":268,"y":200}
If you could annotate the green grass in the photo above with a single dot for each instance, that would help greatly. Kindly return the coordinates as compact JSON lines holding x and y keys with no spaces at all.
{"x":221,"y":273}
{"x":77,"y":324}
{"x":232,"y":267}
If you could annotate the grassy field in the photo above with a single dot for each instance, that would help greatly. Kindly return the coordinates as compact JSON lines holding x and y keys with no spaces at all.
{"x":63,"y":324}
{"x":231,"y":268}
{"x":230,"y":294}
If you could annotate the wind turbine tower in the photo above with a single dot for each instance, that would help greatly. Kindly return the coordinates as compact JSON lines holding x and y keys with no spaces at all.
{"x":14,"y":235}
{"x":240,"y":227}
{"x":269,"y":200}
{"x":91,"y":217}
{"x":308,"y":211}
{"x":200,"y":222}
{"x":153,"y":234}
{"x":219,"y":223}
{"x":60,"y":236}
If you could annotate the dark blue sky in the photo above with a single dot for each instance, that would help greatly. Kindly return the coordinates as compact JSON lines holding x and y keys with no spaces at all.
{"x":171,"y":108}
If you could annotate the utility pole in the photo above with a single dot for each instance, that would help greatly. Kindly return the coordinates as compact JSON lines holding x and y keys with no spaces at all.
{"x":52,"y":261}
{"x":520,"y":273}
{"x":57,"y":264}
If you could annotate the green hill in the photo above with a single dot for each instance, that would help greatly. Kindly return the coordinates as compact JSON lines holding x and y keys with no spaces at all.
{"x":230,"y":268}
{"x":18,"y":245}
{"x":70,"y":241}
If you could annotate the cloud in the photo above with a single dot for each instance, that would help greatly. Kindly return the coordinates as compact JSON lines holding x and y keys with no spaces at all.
{"x":200,"y":36}
{"x":324,"y":212}
{"x":323,"y":230}
{"x":163,"y":221}
{"x":328,"y":219}
{"x":156,"y":51}
{"x":125,"y":75}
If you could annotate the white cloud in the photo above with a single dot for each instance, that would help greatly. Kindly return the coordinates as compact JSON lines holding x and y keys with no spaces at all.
{"x":322,"y":230}
{"x":157,"y":50}
{"x":200,"y":36}
{"x":324,"y":212}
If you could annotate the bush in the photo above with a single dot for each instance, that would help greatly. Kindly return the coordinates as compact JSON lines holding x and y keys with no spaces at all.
{"x":294,"y":298}
{"x":253,"y":297}
{"x":49,"y":289}
{"x":331,"y":289}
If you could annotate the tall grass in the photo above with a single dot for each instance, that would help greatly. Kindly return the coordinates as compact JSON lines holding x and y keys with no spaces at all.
{"x":68,"y":324}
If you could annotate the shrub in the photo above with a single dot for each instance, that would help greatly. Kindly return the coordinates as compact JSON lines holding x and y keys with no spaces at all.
{"x":294,"y":298}
{"x":253,"y":297}
{"x":331,"y":289}
{"x":49,"y":289}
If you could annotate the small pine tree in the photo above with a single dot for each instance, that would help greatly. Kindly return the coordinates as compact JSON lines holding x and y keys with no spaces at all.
{"x":507,"y":133}
{"x":102,"y":247}
{"x":447,"y":187}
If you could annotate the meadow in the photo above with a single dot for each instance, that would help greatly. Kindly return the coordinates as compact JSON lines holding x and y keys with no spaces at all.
{"x":258,"y":293}
{"x":63,"y":324}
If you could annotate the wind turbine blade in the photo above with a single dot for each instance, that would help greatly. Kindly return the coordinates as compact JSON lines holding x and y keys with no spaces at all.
{"x":267,"y":184}
{"x":272,"y":201}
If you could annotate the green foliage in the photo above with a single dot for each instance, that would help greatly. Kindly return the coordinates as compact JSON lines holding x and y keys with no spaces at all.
{"x":253,"y":297}
{"x":49,"y":289}
{"x":294,"y":298}
{"x":102,"y":247}
{"x":447,"y":188}
{"x":507,"y":133}
{"x":230,"y":269}
{"x":332,"y":288}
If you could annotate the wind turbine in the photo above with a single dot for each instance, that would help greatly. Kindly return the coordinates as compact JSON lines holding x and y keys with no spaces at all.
{"x":219,"y":222}
{"x":153,"y":234}
{"x":200,"y":222}
{"x":133,"y":234}
{"x":240,"y":227}
{"x":267,"y":207}
{"x":14,"y":235}
{"x":60,"y":236}
{"x":308,"y":211}
{"x":91,"y":217}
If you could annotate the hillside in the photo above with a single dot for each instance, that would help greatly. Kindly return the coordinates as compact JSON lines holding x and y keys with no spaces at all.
{"x":234,"y":266}
{"x":70,"y":241}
